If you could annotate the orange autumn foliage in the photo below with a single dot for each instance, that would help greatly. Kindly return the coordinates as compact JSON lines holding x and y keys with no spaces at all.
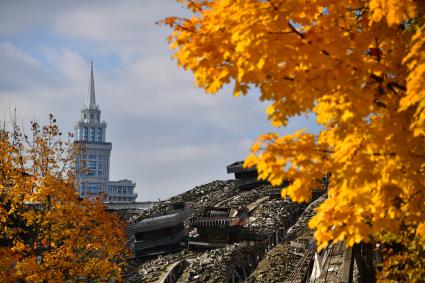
{"x":47,"y":234}
{"x":359,"y":67}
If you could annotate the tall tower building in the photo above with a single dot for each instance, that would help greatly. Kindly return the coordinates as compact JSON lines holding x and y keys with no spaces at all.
{"x":93,"y":160}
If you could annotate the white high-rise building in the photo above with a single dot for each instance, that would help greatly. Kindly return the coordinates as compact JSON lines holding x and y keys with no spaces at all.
{"x":92,"y":162}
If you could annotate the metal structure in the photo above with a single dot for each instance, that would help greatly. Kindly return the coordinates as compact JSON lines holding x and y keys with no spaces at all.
{"x":275,"y":194}
{"x":245,"y":178}
{"x":161,"y":233}
{"x":241,"y":264}
{"x":219,"y":225}
{"x":175,"y":270}
{"x":245,"y":262}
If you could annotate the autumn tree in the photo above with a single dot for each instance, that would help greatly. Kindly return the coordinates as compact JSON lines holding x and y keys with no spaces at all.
{"x":47,"y":234}
{"x":359,"y":67}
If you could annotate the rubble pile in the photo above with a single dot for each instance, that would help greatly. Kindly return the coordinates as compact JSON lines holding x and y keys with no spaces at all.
{"x":279,"y":263}
{"x":199,"y":198}
{"x":215,"y":265}
{"x":278,"y":267}
{"x":300,"y":228}
{"x":245,"y":198}
{"x":207,"y":195}
{"x":157,"y":209}
{"x":273,"y":214}
{"x":151,"y":271}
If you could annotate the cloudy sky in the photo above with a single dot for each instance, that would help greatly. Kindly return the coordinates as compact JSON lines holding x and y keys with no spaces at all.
{"x":167,"y":135}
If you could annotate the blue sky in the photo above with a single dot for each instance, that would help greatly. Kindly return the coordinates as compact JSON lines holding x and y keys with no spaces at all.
{"x":167,"y":135}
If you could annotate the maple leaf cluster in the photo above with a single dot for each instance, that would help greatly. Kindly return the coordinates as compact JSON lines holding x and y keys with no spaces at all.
{"x":48,"y":234}
{"x":359,"y":67}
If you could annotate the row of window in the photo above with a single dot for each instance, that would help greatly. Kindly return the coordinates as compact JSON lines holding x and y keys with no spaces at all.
{"x":91,"y":117}
{"x":120,"y":189}
{"x":90,"y":134}
{"x":91,"y":185}
{"x":94,"y":157}
{"x":92,"y":164}
{"x":90,"y":192}
{"x":92,"y":173}
{"x":94,"y":151}
{"x":120,"y":198}
{"x":90,"y":188}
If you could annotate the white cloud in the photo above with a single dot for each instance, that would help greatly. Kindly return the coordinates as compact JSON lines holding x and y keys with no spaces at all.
{"x":167,"y":135}
{"x":16,"y":16}
{"x":67,"y":64}
{"x":11,"y":75}
{"x":126,"y":27}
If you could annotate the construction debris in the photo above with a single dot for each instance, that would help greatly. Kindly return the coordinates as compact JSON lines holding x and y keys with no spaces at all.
{"x":274,"y":214}
{"x":245,"y":178}
{"x":151,"y":270}
{"x":280,"y":263}
{"x":265,"y":224}
{"x":215,"y":265}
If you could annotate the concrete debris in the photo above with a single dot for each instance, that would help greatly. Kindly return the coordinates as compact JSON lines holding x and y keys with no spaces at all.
{"x":198,"y":198}
{"x":246,"y":197}
{"x":214,"y":265}
{"x":281,"y":261}
{"x":151,"y":270}
{"x":274,"y":214}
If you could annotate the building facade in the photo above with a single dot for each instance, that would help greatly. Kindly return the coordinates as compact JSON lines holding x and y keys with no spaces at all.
{"x":93,"y":160}
{"x":121,"y":191}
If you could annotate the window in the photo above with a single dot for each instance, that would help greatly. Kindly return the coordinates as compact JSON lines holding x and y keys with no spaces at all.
{"x":92,"y":134}
{"x":92,"y":165}
{"x":91,"y":116}
{"x":93,"y":188}
{"x":119,"y":190}
{"x":91,"y":173}
{"x":99,"y":173}
{"x":99,"y":165}
{"x":99,"y":134}
{"x":85,"y":116}
{"x":92,"y":156}
{"x":85,"y":133}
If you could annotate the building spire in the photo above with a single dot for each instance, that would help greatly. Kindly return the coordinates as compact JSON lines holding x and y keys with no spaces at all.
{"x":91,"y":98}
